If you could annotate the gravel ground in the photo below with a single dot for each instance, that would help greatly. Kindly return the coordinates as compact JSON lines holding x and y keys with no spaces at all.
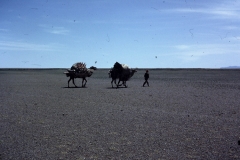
{"x":184,"y":114}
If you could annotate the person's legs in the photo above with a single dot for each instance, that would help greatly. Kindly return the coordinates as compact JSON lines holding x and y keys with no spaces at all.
{"x":144,"y":83}
{"x":147,"y":83}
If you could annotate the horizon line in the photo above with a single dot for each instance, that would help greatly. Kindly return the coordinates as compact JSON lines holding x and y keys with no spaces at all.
{"x":222,"y":68}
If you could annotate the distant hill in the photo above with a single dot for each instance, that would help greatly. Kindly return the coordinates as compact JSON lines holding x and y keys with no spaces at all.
{"x":231,"y":67}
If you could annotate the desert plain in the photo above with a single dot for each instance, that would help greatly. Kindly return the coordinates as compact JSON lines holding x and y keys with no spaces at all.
{"x":184,"y":114}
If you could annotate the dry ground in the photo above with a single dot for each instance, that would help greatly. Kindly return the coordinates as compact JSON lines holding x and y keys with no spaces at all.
{"x":184,"y":114}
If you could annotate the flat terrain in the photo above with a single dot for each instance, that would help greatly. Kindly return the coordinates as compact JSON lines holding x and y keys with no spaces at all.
{"x":184,"y":114}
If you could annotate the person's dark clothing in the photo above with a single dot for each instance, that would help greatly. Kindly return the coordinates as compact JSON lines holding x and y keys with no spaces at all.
{"x":146,"y":76}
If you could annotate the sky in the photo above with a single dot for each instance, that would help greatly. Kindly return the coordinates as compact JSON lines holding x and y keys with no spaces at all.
{"x":139,"y":33}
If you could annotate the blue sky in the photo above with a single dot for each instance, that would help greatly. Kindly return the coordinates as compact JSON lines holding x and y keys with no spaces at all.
{"x":139,"y":33}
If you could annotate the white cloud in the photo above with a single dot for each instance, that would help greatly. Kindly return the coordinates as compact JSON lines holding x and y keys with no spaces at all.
{"x":59,"y":30}
{"x":55,"y":30}
{"x":22,"y":46}
{"x":195,"y":52}
{"x":231,"y":27}
{"x":182,"y":47}
{"x":221,"y":10}
{"x":4,"y":30}
{"x":217,"y":13}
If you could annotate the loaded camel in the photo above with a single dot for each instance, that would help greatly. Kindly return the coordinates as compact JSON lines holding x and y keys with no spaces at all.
{"x":121,"y":72}
{"x":78,"y":70}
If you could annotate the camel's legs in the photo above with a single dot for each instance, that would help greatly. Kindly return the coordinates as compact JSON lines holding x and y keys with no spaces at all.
{"x":114,"y":82}
{"x":118,"y":83}
{"x":84,"y":80}
{"x":72,"y":78}
{"x":72,"y":81}
{"x":69,"y":81}
{"x":124,"y":83}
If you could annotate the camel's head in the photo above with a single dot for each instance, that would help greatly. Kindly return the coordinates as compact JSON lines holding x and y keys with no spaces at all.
{"x":109,"y":73}
{"x":133,"y":71}
{"x":89,"y":72}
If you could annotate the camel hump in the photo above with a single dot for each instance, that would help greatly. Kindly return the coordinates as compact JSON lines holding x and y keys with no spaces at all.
{"x":117,"y":66}
{"x":120,"y":66}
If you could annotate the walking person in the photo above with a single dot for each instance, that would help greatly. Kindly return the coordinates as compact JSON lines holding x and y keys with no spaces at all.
{"x":146,"y":76}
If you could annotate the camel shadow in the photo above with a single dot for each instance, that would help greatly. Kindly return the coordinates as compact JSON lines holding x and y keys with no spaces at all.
{"x":117,"y":88}
{"x":73,"y":87}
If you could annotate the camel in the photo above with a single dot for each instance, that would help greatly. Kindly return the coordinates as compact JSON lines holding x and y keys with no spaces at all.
{"x":121,"y":72}
{"x":79,"y":70}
